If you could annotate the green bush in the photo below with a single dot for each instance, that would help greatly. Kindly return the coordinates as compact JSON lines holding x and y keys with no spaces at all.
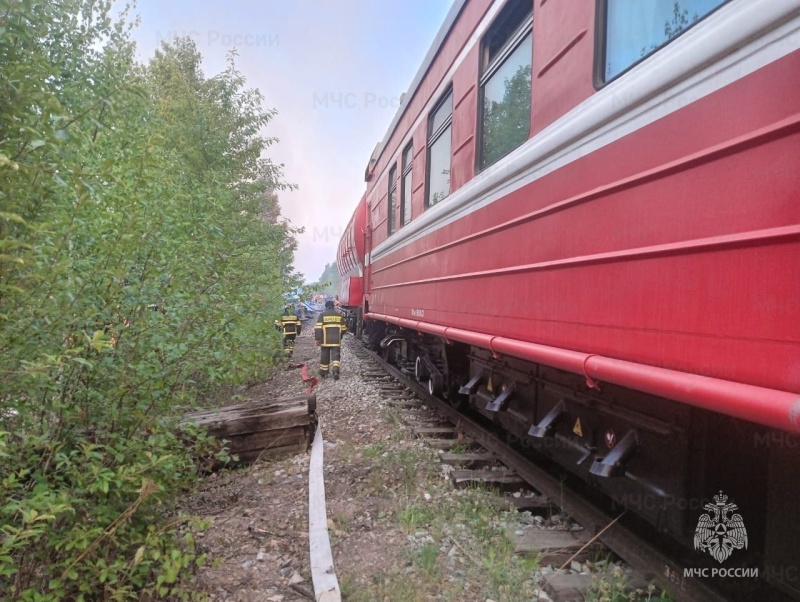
{"x":141,"y":265}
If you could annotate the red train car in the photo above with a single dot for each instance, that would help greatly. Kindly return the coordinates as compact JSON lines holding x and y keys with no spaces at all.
{"x":350,"y":263}
{"x":584,"y":222}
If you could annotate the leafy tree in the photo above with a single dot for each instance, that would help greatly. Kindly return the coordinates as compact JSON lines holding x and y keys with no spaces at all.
{"x":330,"y":281}
{"x":506,"y":124}
{"x":440,"y":196}
{"x":675,"y":26}
{"x":141,"y":263}
{"x":679,"y":21}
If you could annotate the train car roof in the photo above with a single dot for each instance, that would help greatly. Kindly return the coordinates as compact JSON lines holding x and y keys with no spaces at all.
{"x":441,"y":36}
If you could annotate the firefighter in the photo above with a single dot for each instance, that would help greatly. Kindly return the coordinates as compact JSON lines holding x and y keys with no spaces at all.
{"x":328,"y":332}
{"x":290,"y":326}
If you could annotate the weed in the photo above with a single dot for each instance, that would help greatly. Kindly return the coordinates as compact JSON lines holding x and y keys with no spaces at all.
{"x":393,"y":417}
{"x":342,"y":521}
{"x":397,"y":588}
{"x":616,"y":588}
{"x":509,"y":575}
{"x":409,"y":467}
{"x":602,"y":557}
{"x":347,"y":585}
{"x":460,"y":448}
{"x":413,"y":517}
{"x":478,"y":515}
{"x":399,"y":435}
{"x":374,"y":450}
{"x":426,"y":558}
{"x":347,"y":451}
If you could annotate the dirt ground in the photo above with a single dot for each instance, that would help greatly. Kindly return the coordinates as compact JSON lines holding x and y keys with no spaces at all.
{"x":259,"y":533}
{"x":398,"y":529}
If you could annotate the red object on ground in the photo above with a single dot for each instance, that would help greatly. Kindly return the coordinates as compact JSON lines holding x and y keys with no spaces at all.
{"x":311,"y":380}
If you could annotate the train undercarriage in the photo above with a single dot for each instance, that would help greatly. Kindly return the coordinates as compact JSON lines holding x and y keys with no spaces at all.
{"x":661,"y":460}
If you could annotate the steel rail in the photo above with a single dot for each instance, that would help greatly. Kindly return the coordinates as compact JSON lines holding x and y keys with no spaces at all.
{"x":642,"y":556}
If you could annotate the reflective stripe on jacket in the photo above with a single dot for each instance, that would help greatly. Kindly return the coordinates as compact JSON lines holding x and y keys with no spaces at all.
{"x":330,"y":328}
{"x":290,"y":324}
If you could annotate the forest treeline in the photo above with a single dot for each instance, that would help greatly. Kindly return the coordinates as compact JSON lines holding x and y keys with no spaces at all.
{"x":330,"y":281}
{"x":142,"y":262}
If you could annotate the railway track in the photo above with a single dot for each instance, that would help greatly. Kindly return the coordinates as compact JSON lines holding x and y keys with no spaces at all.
{"x":647,"y":560}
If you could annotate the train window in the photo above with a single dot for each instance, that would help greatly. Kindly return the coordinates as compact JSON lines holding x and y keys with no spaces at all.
{"x":392,"y":198}
{"x":505,"y":83}
{"x":634,"y":30}
{"x":439,"y":140}
{"x":405,"y":185}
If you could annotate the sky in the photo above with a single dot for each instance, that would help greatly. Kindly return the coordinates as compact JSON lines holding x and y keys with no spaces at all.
{"x":333,"y":69}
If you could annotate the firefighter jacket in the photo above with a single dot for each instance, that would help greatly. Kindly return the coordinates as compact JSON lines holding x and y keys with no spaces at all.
{"x":290,"y":324}
{"x":330,"y":328}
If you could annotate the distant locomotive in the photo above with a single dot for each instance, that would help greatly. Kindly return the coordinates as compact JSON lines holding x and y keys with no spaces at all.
{"x":584,"y":222}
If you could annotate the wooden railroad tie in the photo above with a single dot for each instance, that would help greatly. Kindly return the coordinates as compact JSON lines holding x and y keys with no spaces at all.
{"x":260,"y":429}
{"x":535,"y":502}
{"x":573,"y":587}
{"x":444,"y":443}
{"x":420,"y":422}
{"x":404,"y":403}
{"x":491,"y":478}
{"x":553,"y":547}
{"x":438,"y":431}
{"x":471,"y":459}
{"x":421,"y":419}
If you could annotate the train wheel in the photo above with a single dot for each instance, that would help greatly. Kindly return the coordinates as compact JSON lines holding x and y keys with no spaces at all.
{"x":420,"y":371}
{"x":435,"y":385}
